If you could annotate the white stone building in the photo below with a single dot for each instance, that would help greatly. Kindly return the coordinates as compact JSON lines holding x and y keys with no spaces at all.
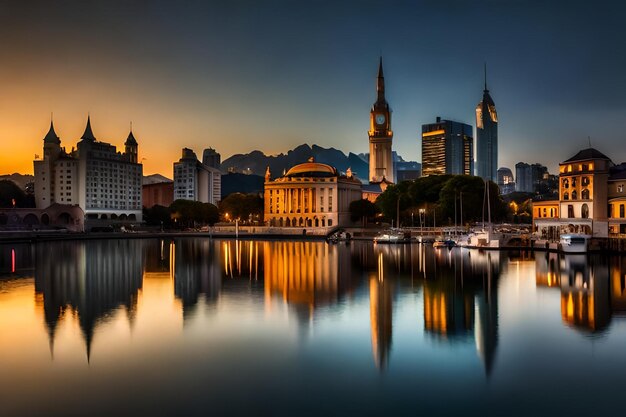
{"x":196,"y":181}
{"x":105,"y":183}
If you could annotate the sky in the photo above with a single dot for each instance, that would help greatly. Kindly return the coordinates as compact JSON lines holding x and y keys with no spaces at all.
{"x":270,"y":75}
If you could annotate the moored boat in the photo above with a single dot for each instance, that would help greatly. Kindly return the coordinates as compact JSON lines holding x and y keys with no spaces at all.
{"x":574,"y":243}
{"x":393,"y":236}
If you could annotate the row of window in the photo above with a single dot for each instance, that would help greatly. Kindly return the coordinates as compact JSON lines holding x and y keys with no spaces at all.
{"x":584,"y":195}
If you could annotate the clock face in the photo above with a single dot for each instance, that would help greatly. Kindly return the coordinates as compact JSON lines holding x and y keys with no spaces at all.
{"x":380,"y":119}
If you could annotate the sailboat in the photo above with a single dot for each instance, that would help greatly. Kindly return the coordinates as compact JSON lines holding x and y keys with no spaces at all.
{"x":485,"y":238}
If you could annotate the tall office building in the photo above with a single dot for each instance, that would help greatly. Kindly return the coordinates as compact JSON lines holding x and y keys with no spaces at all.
{"x":447,"y":148}
{"x":196,"y":181}
{"x":105,"y":183}
{"x":529,"y":176}
{"x":487,"y":136}
{"x":211,"y":158}
{"x":380,"y":135}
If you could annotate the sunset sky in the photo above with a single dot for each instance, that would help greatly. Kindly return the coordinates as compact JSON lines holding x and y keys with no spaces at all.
{"x":268,"y":75}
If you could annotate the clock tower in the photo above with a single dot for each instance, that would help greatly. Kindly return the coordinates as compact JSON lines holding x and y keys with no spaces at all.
{"x":380,"y":134}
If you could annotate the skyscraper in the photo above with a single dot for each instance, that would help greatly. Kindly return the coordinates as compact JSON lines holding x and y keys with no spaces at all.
{"x":487,"y":136}
{"x":380,"y":134}
{"x":447,"y":148}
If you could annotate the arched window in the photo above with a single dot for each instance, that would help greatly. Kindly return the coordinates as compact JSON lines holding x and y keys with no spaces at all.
{"x":574,"y":195}
{"x":566,"y":196}
{"x":565,"y":183}
{"x":584,"y":194}
{"x":585,"y":211}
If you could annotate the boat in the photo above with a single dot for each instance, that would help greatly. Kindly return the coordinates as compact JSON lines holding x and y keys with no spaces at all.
{"x":444,"y":243}
{"x":393,"y":236}
{"x":574,"y":243}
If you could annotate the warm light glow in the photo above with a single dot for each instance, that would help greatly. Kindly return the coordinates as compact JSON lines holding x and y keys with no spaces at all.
{"x":433,"y":133}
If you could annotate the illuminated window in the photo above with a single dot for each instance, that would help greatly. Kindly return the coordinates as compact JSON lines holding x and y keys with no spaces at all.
{"x":620,"y":188}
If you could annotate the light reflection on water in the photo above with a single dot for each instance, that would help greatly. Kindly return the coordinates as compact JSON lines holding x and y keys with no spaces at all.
{"x":250,"y":327}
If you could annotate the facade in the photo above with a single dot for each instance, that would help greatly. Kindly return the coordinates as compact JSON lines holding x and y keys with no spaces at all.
{"x":196,"y":181}
{"x":487,"y":137}
{"x":158,"y":194}
{"x":310,"y":195}
{"x":105,"y":183}
{"x":529,"y":177}
{"x":380,"y":135}
{"x":211,"y":158}
{"x":617,"y":201}
{"x":55,"y":216}
{"x":506,"y":182}
{"x":447,"y":148}
{"x":583,"y":205}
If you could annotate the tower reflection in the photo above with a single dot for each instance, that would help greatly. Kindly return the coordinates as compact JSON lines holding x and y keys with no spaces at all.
{"x":461,"y":299}
{"x":89,"y":279}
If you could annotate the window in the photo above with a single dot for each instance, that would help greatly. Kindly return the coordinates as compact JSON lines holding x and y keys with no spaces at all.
{"x":585,"y":181}
{"x":570,"y":211}
{"x":584,"y":194}
{"x":574,"y":182}
{"x":620,"y":188}
{"x":585,"y":211}
{"x":565,"y":183}
{"x":574,"y":195}
{"x":621,"y":211}
{"x":544,"y":212}
{"x":566,"y":196}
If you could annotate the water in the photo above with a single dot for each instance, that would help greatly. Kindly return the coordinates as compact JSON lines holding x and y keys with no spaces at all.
{"x":199,"y":327}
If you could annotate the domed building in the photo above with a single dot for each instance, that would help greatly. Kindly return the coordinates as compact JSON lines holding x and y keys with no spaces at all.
{"x":310,"y":195}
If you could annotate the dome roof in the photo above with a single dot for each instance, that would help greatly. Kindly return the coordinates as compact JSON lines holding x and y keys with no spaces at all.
{"x":311,"y":169}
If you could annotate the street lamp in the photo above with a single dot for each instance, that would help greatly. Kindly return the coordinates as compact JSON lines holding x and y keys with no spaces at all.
{"x":422,"y":215}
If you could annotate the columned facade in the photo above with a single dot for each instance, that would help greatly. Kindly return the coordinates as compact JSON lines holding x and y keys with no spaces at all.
{"x":310,"y":195}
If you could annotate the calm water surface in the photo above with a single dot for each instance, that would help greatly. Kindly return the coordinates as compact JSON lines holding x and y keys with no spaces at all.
{"x":200,"y":327}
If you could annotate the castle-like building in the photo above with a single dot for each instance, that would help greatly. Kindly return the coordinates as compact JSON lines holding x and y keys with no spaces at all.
{"x":105,"y":183}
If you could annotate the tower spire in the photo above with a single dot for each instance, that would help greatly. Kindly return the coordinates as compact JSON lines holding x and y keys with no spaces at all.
{"x":380,"y":82}
{"x":88,"y":135}
{"x":486,"y":76}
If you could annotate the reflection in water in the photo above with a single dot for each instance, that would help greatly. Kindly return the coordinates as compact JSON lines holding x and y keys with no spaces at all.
{"x":586,"y":297}
{"x":89,"y":279}
{"x":461,"y":300}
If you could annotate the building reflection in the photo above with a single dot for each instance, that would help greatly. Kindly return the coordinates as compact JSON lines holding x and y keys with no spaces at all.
{"x":461,"y":299}
{"x":305,"y":275}
{"x":90,"y":279}
{"x":381,"y":307}
{"x":586,"y":297}
{"x":196,"y":272}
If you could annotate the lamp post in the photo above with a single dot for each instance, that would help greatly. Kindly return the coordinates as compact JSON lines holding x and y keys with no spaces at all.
{"x":422,"y":216}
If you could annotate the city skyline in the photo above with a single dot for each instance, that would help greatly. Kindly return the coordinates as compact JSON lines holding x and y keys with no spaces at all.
{"x":246,"y":76}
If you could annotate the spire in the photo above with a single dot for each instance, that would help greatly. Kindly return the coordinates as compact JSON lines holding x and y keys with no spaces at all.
{"x":88,"y":135}
{"x":131,"y":138}
{"x":51,"y":136}
{"x":380,"y":83}
{"x":486,"y":76}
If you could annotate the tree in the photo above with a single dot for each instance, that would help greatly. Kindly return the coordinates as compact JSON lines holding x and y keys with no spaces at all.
{"x":10,"y":193}
{"x":187,"y":213}
{"x":240,"y":206}
{"x":157,"y":215}
{"x":362,"y":210}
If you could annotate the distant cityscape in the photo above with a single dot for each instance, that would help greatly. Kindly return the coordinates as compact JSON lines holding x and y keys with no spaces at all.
{"x":309,"y":186}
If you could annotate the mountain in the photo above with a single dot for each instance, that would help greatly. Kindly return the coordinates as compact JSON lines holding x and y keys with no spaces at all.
{"x":20,"y":179}
{"x":241,"y":183}
{"x":155,"y":179}
{"x":256,"y":162}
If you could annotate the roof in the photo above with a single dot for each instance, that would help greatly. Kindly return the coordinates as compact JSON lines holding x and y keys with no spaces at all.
{"x":88,"y":135}
{"x":312,"y":169}
{"x":131,"y":139}
{"x":587,"y":154}
{"x":51,"y":136}
{"x":618,"y":172}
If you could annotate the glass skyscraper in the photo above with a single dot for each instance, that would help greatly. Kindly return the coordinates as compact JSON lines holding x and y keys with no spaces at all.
{"x":487,"y":137}
{"x":447,"y":148}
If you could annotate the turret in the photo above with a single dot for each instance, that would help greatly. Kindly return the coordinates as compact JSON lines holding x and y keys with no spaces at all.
{"x":131,"y":147}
